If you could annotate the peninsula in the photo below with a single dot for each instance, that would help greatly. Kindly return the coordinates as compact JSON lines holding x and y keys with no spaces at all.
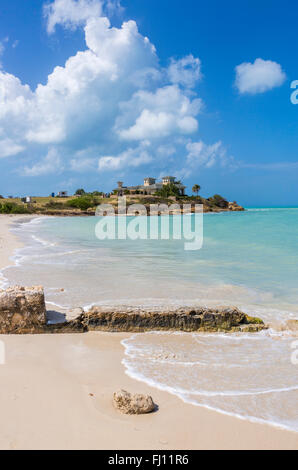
{"x":169,"y":191}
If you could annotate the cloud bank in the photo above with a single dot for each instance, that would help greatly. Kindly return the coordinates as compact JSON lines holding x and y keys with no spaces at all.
{"x":111,"y":106}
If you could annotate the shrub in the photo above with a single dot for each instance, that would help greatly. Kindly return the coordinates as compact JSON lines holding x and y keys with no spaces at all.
{"x":80,"y":192}
{"x":168,"y":190}
{"x":197,"y":199}
{"x":83,"y":203}
{"x":219,"y":201}
{"x":54,"y":205}
{"x":13,"y":208}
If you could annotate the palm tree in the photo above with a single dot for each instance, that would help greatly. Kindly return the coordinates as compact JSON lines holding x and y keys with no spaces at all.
{"x":196,"y":188}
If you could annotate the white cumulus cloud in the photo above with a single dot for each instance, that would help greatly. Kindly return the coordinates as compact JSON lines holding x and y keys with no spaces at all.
{"x":71,"y":13}
{"x":132,"y":157}
{"x":258,"y":77}
{"x":185,"y":71}
{"x":158,"y":114}
{"x":111,"y":106}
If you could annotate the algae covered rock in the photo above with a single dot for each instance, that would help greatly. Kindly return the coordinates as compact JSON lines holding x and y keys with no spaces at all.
{"x":182,"y":319}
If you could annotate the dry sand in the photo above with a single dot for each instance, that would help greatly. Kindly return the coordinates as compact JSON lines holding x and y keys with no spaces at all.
{"x":56,"y":393}
{"x":8,"y":242}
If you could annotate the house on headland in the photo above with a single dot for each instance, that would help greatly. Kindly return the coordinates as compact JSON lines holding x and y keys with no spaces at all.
{"x":150,"y":186}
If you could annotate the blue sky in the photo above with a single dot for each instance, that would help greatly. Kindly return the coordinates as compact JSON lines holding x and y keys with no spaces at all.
{"x":196,"y":89}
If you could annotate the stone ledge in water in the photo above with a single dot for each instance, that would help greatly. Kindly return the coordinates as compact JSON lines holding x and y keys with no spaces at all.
{"x":22,"y":310}
{"x":133,"y":404}
{"x":182,"y":319}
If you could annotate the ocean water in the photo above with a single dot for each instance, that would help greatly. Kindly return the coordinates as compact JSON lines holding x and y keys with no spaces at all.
{"x":248,"y":259}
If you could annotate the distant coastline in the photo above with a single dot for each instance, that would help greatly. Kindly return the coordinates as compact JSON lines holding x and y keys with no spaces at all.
{"x":85,"y":205}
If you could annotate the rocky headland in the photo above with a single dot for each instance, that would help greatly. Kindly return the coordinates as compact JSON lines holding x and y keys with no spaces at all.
{"x":86,"y":205}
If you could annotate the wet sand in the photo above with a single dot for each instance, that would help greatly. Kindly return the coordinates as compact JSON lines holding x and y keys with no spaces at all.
{"x":56,"y":393}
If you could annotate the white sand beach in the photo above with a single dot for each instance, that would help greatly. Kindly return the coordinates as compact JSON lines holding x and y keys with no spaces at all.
{"x":8,"y":242}
{"x":56,"y":393}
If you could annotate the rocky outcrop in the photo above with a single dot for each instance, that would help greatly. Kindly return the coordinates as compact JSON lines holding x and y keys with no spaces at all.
{"x":233,"y":206}
{"x":133,"y":404}
{"x":182,"y":319}
{"x":22,"y":310}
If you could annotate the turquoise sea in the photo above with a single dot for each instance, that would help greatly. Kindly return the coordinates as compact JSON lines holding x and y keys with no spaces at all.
{"x":248,"y":259}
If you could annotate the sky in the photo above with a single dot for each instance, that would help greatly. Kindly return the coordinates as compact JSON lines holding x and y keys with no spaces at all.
{"x":96,"y":91}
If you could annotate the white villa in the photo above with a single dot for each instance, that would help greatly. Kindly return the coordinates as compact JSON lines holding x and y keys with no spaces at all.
{"x":150,"y":186}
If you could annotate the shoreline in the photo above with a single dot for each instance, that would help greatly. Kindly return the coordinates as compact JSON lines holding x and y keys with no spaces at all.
{"x":8,"y":241}
{"x":57,"y":394}
{"x":93,"y":214}
{"x":58,"y":390}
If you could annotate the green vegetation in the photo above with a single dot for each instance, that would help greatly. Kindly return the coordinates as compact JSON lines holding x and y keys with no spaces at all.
{"x":254,"y":320}
{"x":80,"y":192}
{"x":168,"y":190}
{"x":83,"y":203}
{"x":13,"y":208}
{"x":54,"y":205}
{"x":218,"y":201}
{"x":197,"y":199}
